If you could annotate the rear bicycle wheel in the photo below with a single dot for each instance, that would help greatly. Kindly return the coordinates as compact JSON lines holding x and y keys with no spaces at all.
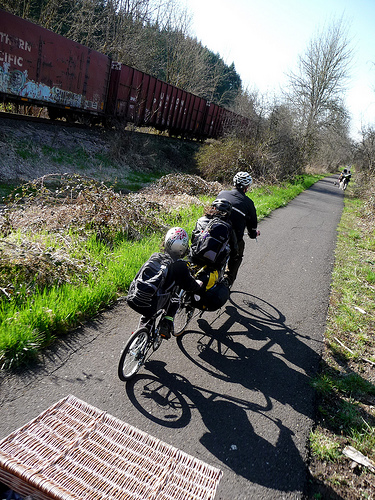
{"x":133,"y":354}
{"x":182,"y":319}
{"x":183,"y":316}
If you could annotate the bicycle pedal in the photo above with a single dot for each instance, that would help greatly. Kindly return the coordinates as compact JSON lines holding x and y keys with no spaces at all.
{"x":165,"y":337}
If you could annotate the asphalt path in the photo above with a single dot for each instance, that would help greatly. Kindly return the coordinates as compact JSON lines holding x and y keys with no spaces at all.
{"x":234,"y":391}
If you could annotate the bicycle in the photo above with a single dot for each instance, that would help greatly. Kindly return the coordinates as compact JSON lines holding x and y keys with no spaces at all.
{"x":185,"y":313}
{"x":189,"y":308}
{"x":136,"y":349}
{"x":134,"y":354}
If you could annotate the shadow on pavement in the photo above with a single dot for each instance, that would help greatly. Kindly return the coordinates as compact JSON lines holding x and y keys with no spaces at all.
{"x":252,"y":348}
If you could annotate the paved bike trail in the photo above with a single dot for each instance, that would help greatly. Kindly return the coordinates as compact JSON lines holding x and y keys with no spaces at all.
{"x":234,"y":391}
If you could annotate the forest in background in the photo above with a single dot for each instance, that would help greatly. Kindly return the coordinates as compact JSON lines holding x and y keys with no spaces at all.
{"x":152,"y":36}
{"x":305,"y":128}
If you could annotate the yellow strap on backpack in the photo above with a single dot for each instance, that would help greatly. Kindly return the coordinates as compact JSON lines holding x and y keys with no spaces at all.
{"x":213,"y":279}
{"x":214,"y":276}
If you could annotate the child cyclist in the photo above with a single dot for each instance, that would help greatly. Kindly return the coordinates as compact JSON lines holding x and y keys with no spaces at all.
{"x":220,"y":209}
{"x":176,"y":244}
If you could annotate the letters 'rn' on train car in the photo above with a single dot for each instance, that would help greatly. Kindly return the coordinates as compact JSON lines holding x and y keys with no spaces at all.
{"x":40,"y":67}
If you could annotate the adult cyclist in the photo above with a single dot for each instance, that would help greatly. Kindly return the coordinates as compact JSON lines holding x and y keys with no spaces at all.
{"x":344,"y":178}
{"x":243,"y":216}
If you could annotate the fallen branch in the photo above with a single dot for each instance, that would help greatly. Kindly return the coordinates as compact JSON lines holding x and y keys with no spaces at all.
{"x":343,"y":345}
{"x":358,"y":457}
{"x":352,"y":352}
{"x":359,"y":309}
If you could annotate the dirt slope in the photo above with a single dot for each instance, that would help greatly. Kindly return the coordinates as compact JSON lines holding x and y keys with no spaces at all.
{"x":31,"y":150}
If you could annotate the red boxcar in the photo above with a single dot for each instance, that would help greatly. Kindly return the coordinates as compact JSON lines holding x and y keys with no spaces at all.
{"x":44,"y":68}
{"x":176,"y":111}
{"x":132,"y":95}
{"x":142,"y":99}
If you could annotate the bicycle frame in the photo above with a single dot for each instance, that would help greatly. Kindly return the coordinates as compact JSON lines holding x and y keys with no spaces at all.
{"x":137,"y":347}
{"x":154,"y":336}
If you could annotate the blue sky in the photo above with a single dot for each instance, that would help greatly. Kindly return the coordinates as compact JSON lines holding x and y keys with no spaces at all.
{"x":264,"y":39}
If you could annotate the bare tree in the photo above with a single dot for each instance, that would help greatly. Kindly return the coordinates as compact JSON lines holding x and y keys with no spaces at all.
{"x":20,"y":8}
{"x":317,"y":90}
{"x":365,"y":154}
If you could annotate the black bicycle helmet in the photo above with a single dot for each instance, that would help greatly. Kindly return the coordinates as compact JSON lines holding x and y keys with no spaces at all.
{"x":242,"y":180}
{"x":222,"y":205}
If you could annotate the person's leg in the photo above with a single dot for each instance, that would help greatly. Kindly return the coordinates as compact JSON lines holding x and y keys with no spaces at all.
{"x":166,"y":323}
{"x":234,"y":264}
{"x":144,"y":321}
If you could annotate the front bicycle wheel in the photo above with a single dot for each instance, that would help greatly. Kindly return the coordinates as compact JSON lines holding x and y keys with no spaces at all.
{"x":133,"y":354}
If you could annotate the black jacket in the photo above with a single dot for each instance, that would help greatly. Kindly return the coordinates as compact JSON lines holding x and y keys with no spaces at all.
{"x":179,"y":275}
{"x":243,"y":215}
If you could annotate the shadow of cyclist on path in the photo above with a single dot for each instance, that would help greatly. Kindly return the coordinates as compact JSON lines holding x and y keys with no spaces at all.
{"x":229,"y":435}
{"x":255,"y":348}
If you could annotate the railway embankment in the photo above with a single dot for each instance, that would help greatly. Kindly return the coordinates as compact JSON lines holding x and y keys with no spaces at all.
{"x":127,"y":158}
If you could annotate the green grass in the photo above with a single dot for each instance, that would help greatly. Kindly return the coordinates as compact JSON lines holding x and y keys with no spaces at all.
{"x":323,"y":447}
{"x":137,"y":180}
{"x":79,"y":158}
{"x":52,"y":312}
{"x":344,"y":386}
{"x":26,"y":152}
{"x":43,"y":315}
{"x":5,"y":189}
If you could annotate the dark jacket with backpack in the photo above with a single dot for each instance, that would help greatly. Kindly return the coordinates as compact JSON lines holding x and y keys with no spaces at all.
{"x":157,"y":281}
{"x":243,"y":215}
{"x":212,"y":242}
{"x":214,"y":254}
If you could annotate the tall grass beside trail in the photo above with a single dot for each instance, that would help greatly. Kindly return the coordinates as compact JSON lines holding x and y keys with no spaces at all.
{"x":345,"y":385}
{"x":265,"y":198}
{"x":27,"y":328}
{"x":268,"y":198}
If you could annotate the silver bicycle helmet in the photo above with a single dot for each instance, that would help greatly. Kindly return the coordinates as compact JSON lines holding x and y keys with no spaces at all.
{"x":176,"y":242}
{"x":242,"y":180}
{"x":222,"y":205}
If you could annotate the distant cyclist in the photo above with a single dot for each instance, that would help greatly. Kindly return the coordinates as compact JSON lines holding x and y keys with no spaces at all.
{"x":176,"y":244}
{"x":344,"y":179}
{"x":243,"y":216}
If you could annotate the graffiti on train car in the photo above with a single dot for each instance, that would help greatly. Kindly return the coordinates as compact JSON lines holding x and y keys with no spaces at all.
{"x":16,"y":82}
{"x":14,"y":79}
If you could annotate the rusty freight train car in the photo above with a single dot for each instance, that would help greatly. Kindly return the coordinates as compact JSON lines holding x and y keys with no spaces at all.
{"x":135,"y":96}
{"x":39,"y":67}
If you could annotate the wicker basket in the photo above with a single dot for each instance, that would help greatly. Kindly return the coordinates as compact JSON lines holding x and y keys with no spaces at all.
{"x":75,"y":451}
